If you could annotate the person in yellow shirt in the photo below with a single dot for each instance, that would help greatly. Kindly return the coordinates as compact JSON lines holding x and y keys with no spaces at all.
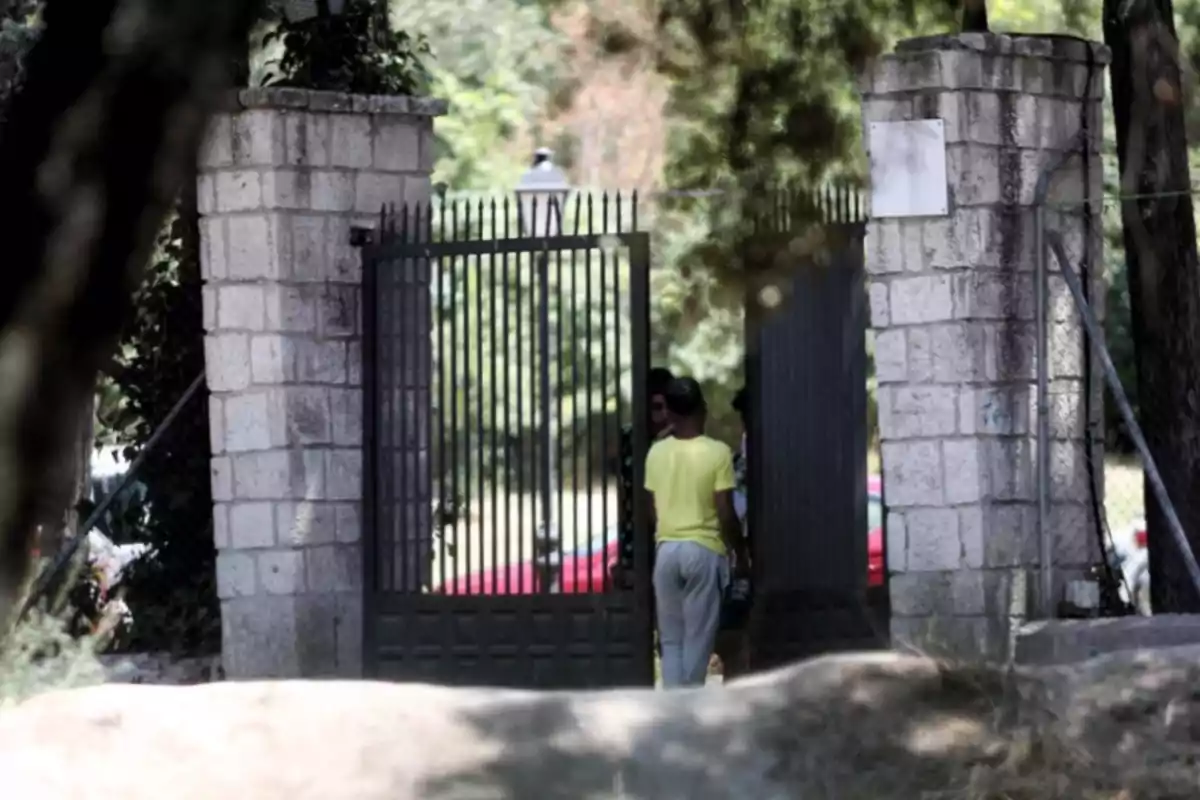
{"x":690,"y":479}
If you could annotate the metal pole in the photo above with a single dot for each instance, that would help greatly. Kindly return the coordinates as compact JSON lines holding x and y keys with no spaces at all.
{"x":1045,"y":544}
{"x":1042,"y":291}
{"x":546,"y":403}
{"x":1127,"y":415}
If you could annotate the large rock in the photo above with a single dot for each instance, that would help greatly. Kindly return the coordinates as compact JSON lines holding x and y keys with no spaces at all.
{"x":856,"y":727}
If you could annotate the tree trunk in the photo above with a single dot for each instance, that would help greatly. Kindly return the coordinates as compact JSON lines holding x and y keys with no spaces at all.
{"x":75,"y":472}
{"x":1164,"y":275}
{"x":115,"y":97}
{"x":975,"y":16}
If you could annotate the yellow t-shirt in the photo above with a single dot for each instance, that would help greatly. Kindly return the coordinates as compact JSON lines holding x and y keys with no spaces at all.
{"x":683,"y":475}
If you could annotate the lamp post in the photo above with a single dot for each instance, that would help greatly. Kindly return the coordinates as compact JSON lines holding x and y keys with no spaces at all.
{"x":541,"y":195}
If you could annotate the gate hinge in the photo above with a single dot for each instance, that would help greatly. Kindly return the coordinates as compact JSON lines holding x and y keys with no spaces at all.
{"x":361,"y":236}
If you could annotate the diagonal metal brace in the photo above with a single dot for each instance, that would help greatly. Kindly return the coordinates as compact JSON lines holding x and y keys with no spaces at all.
{"x":1054,"y":239}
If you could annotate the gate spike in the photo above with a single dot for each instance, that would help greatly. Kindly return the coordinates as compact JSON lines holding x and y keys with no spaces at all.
{"x":429,"y":224}
{"x":635,"y":211}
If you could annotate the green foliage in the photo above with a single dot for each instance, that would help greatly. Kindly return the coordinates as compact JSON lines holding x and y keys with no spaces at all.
{"x":1079,"y":17}
{"x":172,"y":594}
{"x":20,"y":25}
{"x":697,"y":324}
{"x":467,"y":152}
{"x":41,"y":655}
{"x":761,"y":97}
{"x":355,"y":51}
{"x":765,"y":94}
{"x":487,"y":339}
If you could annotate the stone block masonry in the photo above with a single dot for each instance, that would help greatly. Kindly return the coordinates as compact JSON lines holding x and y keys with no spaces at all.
{"x":284,"y":175}
{"x":952,"y":306}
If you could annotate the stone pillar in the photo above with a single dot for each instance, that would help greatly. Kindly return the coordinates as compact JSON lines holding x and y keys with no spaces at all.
{"x":283,"y":178}
{"x":952,"y":307}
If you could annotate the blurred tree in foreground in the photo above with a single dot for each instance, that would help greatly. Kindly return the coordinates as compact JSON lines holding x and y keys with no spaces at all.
{"x":97,"y":143}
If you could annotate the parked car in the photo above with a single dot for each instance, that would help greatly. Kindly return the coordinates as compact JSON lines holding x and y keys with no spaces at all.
{"x":580,"y":571}
{"x":583,"y":570}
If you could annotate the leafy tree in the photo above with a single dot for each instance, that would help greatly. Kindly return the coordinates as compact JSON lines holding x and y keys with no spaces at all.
{"x":762,"y":97}
{"x":502,"y":67}
{"x":487,"y":336}
{"x":355,"y":51}
{"x":173,"y":594}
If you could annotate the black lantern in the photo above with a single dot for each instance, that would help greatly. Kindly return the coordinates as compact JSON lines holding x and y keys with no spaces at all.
{"x":542,"y":192}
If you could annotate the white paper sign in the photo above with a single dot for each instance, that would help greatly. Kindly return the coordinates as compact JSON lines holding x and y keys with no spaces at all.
{"x":908,"y":168}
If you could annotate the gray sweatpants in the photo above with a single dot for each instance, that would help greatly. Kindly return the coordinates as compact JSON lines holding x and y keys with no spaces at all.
{"x":689,"y":583}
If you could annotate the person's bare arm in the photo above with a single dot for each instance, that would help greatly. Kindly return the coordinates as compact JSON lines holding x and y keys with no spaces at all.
{"x":731,"y":527}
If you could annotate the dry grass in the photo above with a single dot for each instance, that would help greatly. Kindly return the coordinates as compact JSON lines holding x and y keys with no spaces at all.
{"x":39,"y":655}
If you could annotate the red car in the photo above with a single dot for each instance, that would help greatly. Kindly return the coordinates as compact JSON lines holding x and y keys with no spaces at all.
{"x":583,"y":570}
{"x":875,"y":565}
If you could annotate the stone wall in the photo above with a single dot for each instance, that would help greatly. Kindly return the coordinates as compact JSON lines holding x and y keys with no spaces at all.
{"x":952,"y":305}
{"x":284,"y":176}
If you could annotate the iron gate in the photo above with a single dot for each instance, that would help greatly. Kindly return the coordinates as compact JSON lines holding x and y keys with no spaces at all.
{"x":807,"y":369}
{"x":498,"y":372}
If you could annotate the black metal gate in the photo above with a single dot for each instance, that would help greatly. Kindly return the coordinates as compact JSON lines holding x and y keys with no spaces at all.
{"x":807,"y":369}
{"x":499,"y":369}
